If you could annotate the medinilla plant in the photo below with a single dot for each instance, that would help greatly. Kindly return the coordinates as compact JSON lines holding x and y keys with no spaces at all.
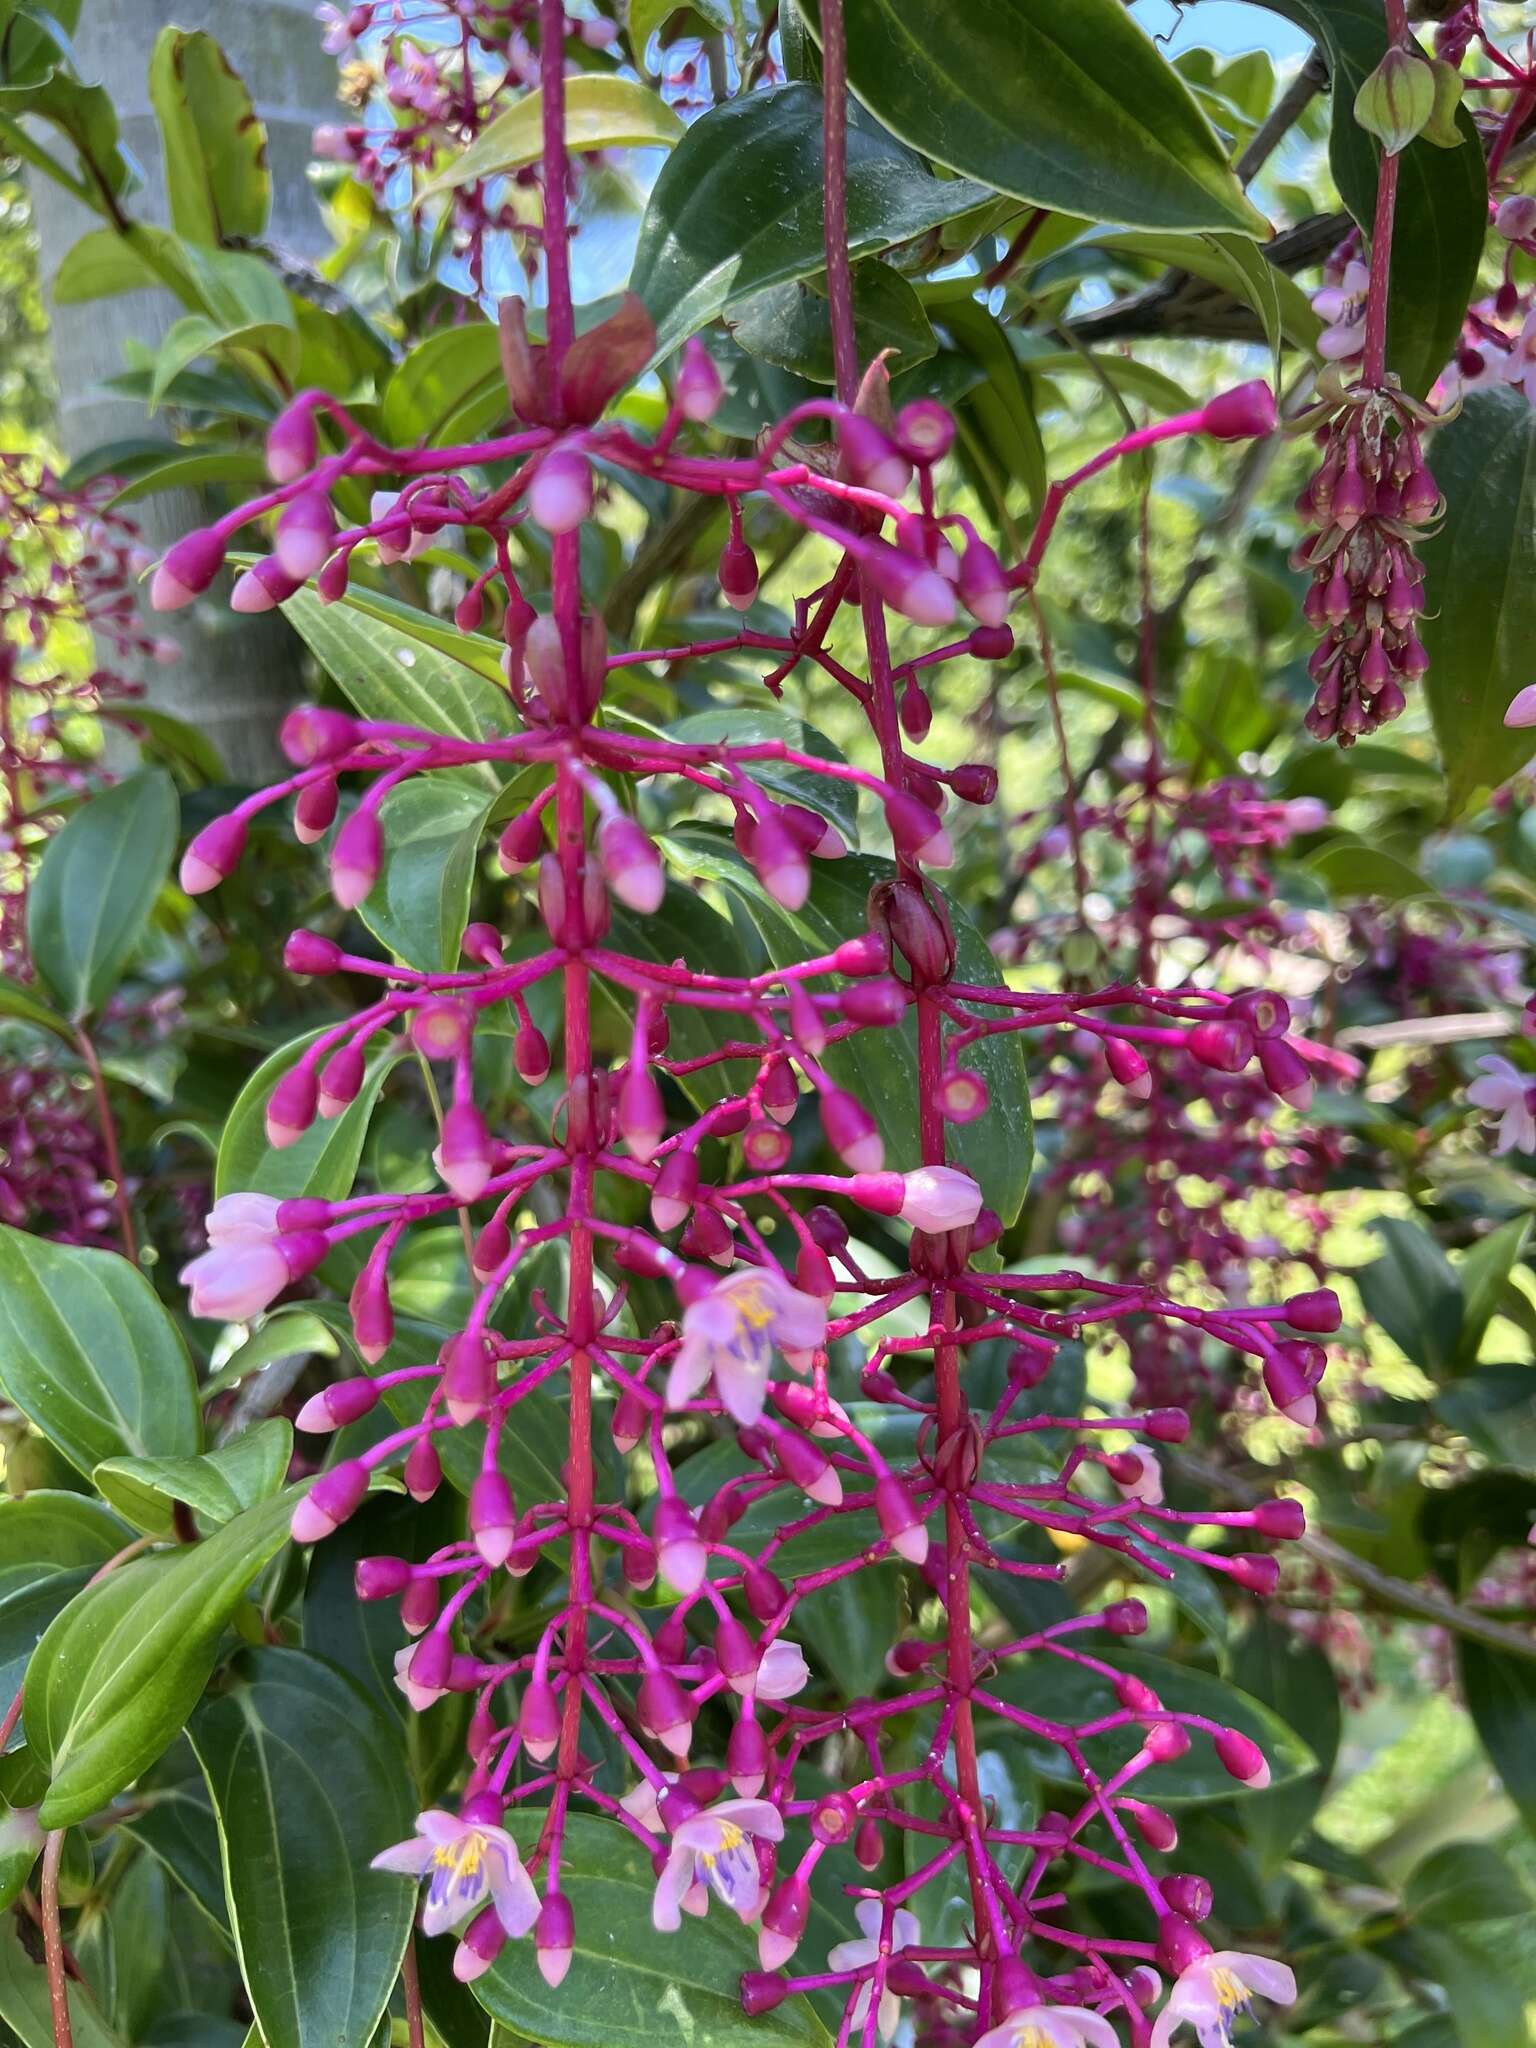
{"x":757,"y":1585}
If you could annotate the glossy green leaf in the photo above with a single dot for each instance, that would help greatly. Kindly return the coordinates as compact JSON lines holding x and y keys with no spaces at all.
{"x":18,"y":1002}
{"x":628,"y":1986}
{"x":1463,"y":1883}
{"x":749,"y":724}
{"x":89,"y":1355}
{"x":1442,"y":195}
{"x":1276,"y":1667}
{"x":880,"y":1066}
{"x":214,"y":146}
{"x":432,"y":828}
{"x":117,"y":1674}
{"x":267,"y":343}
{"x":24,"y":2001}
{"x":49,"y":1531}
{"x":172,"y":1817}
{"x":430,"y":384}
{"x":1482,"y":1274}
{"x":308,"y":1780}
{"x":322,"y":1163}
{"x":602,"y":111}
{"x":1283,"y":309}
{"x":738,"y":206}
{"x":1000,"y":442}
{"x":216,"y":1486}
{"x":791,"y":324}
{"x":1494,"y":1408}
{"x":96,"y":886}
{"x":1412,"y":1291}
{"x":1500,"y":1694}
{"x":26,"y":1615}
{"x":1105,"y":128}
{"x":388,"y":675}
{"x":1481,"y":567}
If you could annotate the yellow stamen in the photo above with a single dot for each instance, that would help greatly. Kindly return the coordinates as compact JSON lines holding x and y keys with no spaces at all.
{"x":754,"y":1305}
{"x":1230,"y":1990}
{"x":463,"y":1855}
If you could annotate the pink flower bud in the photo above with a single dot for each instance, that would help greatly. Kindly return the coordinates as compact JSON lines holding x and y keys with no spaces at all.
{"x":900,"y":1522}
{"x":334,"y":1496}
{"x":188,"y":569}
{"x":738,"y":575}
{"x":469,"y":1377}
{"x":810,"y":1471}
{"x":356,"y":857}
{"x":554,"y":1937}
{"x":907,"y":584}
{"x":672,"y":1196}
{"x":1221,"y":1044}
{"x":665,"y":1712}
{"x":521,"y":843}
{"x":781,"y":865}
{"x":870,"y":457}
{"x":1288,"y":1389}
{"x":291,"y":446}
{"x":1316,"y":1312}
{"x":1188,"y":1896}
{"x":630,"y":1421}
{"x":879,"y":1003}
{"x":851,"y":1131}
{"x":538,"y":1720}
{"x":1286,"y":1072}
{"x":680,"y":1553}
{"x":440,"y":1031}
{"x":423,"y":1470}
{"x":335,"y":1406}
{"x":1282,"y":1520}
{"x":642,"y":1116}
{"x":480,"y":1944}
{"x":1124,"y":1618}
{"x":983,"y":587}
{"x":310,"y":953}
{"x":867,"y":954}
{"x":765,"y":1147}
{"x":373,"y":1322}
{"x":213,"y":855}
{"x":765,"y":1592}
{"x":262,"y":587}
{"x":631,"y":864}
{"x":1155,"y":1827}
{"x":492,"y":1516}
{"x":464,"y":1156}
{"x":925,"y":432}
{"x":1246,"y":413}
{"x":1259,"y":1575}
{"x":783,"y":1922}
{"x":940,"y":1198}
{"x":1245,"y":1761}
{"x":1166,"y":1742}
{"x":313,"y":733}
{"x":306,"y":534}
{"x":341,"y":1080}
{"x":1135,"y":1694}
{"x":746,"y":1756}
{"x":698,"y":389}
{"x":735,"y":1654}
{"x":530,"y":1054}
{"x":917,"y":831}
{"x":761,"y":1991}
{"x":963,"y":1096}
{"x":381,"y":1578}
{"x":560,"y":496}
{"x":291,"y":1106}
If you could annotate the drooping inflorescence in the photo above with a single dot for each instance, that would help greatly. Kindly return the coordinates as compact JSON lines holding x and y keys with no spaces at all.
{"x":867,"y":1417}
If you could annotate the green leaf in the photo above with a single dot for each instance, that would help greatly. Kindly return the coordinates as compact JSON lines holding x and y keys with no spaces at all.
{"x":1442,"y":194}
{"x":791,"y":324}
{"x":738,"y":206}
{"x":117,"y":1674}
{"x":24,"y":2001}
{"x":1500,"y":1694}
{"x":430,"y":385}
{"x":1480,"y":567}
{"x":89,"y":1355}
{"x":173,"y":1817}
{"x":215,"y":148}
{"x":96,"y":886}
{"x":419,"y":906}
{"x":630,"y":1987}
{"x":1494,"y":1408}
{"x":602,"y":111}
{"x":1000,"y":439}
{"x":216,"y":1486}
{"x":1105,"y":128}
{"x":1232,"y":261}
{"x":308,"y":1781}
{"x":880,"y":1067}
{"x":107,"y":261}
{"x":25,"y":1618}
{"x":48,"y":1531}
{"x":323,"y":1163}
{"x":1076,"y":1694}
{"x":388,"y":675}
{"x":1482,"y":1275}
{"x":1412,"y":1291}
{"x":196,"y":335}
{"x":1293,"y":1677}
{"x":19,"y":1002}
{"x":1464,"y":1882}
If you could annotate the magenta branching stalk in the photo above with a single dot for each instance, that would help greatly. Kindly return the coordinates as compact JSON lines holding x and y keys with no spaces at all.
{"x":748,"y":1346}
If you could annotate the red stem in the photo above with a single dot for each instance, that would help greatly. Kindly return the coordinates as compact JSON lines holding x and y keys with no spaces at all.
{"x":107,"y":1125}
{"x":410,"y":1984}
{"x":1374,"y":364}
{"x":53,"y":1942}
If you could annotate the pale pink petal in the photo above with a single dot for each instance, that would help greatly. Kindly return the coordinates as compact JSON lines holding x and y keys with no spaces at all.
{"x":670,"y":1886}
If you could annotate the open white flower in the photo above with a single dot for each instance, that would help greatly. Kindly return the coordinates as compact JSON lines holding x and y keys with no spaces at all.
{"x":1214,"y":1990}
{"x":858,"y":1955}
{"x":1052,"y":2026}
{"x":730,"y":1335}
{"x":469,"y":1860}
{"x":1507,"y":1092}
{"x":712,"y":1852}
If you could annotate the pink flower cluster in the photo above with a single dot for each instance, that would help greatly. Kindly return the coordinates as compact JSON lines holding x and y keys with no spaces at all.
{"x":674,"y":1629}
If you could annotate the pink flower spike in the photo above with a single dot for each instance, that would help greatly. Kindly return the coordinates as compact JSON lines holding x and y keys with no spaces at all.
{"x":187,"y":570}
